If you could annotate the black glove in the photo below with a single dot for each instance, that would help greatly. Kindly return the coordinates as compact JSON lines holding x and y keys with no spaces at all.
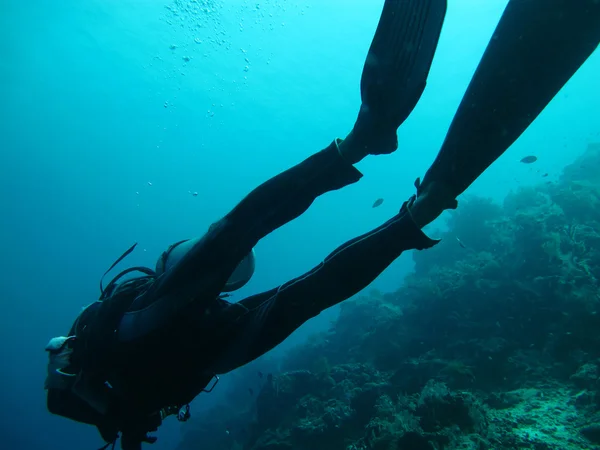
{"x":135,"y":432}
{"x":133,"y":441}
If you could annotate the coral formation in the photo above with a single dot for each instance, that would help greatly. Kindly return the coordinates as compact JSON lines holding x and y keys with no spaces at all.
{"x":492,"y":344}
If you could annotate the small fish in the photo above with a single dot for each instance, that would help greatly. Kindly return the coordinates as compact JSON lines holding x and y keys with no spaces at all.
{"x":377,"y":203}
{"x":149,"y":183}
{"x":251,"y":391}
{"x":460,"y":243}
{"x":193,"y":194}
{"x":260,"y":374}
{"x":227,"y":430}
{"x":544,"y":175}
{"x":529,"y":159}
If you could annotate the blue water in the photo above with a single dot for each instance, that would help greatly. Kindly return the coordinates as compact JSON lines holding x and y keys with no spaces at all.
{"x":114,"y":112}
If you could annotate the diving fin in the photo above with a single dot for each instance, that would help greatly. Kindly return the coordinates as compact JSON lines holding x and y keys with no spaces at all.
{"x":399,"y":59}
{"x":536,"y":48}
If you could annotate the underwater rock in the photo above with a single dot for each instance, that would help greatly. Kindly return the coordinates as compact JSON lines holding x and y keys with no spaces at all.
{"x":271,"y":442}
{"x":592,"y":432}
{"x":411,"y":376}
{"x":502,"y":400}
{"x":439,"y":408}
{"x":413,"y":441}
{"x":279,"y":397}
{"x":585,"y":399}
{"x":586,"y":376}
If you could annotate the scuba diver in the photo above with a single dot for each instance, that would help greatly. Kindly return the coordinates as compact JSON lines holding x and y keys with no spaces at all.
{"x":152,"y":343}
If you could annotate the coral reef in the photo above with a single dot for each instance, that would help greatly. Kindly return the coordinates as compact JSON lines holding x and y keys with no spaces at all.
{"x":491,"y":344}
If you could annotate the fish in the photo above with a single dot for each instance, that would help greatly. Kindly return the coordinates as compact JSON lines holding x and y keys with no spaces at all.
{"x":260,"y":374}
{"x":460,"y":243}
{"x":377,"y":203}
{"x":544,"y":175}
{"x":529,"y":159}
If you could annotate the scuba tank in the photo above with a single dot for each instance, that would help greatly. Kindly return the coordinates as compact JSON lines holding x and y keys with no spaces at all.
{"x":240,"y":276}
{"x":142,"y":319}
{"x":169,"y":258}
{"x":83,"y":381}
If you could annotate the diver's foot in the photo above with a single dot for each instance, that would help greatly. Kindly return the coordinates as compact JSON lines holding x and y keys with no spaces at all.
{"x":354,"y":149}
{"x":370,"y":136}
{"x":429,"y":203}
{"x":395,"y":74}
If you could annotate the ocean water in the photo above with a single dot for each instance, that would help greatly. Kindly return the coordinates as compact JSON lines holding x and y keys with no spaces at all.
{"x":115,"y":114}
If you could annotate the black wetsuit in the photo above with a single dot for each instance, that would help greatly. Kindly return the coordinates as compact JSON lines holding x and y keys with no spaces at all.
{"x":173,"y":338}
{"x":214,"y":336}
{"x":194,"y":334}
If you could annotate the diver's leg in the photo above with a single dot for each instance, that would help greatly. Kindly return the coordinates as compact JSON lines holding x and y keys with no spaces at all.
{"x":536,"y":48}
{"x":246,"y":330}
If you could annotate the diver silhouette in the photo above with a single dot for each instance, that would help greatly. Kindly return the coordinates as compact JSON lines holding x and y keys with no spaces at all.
{"x":151,"y":344}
